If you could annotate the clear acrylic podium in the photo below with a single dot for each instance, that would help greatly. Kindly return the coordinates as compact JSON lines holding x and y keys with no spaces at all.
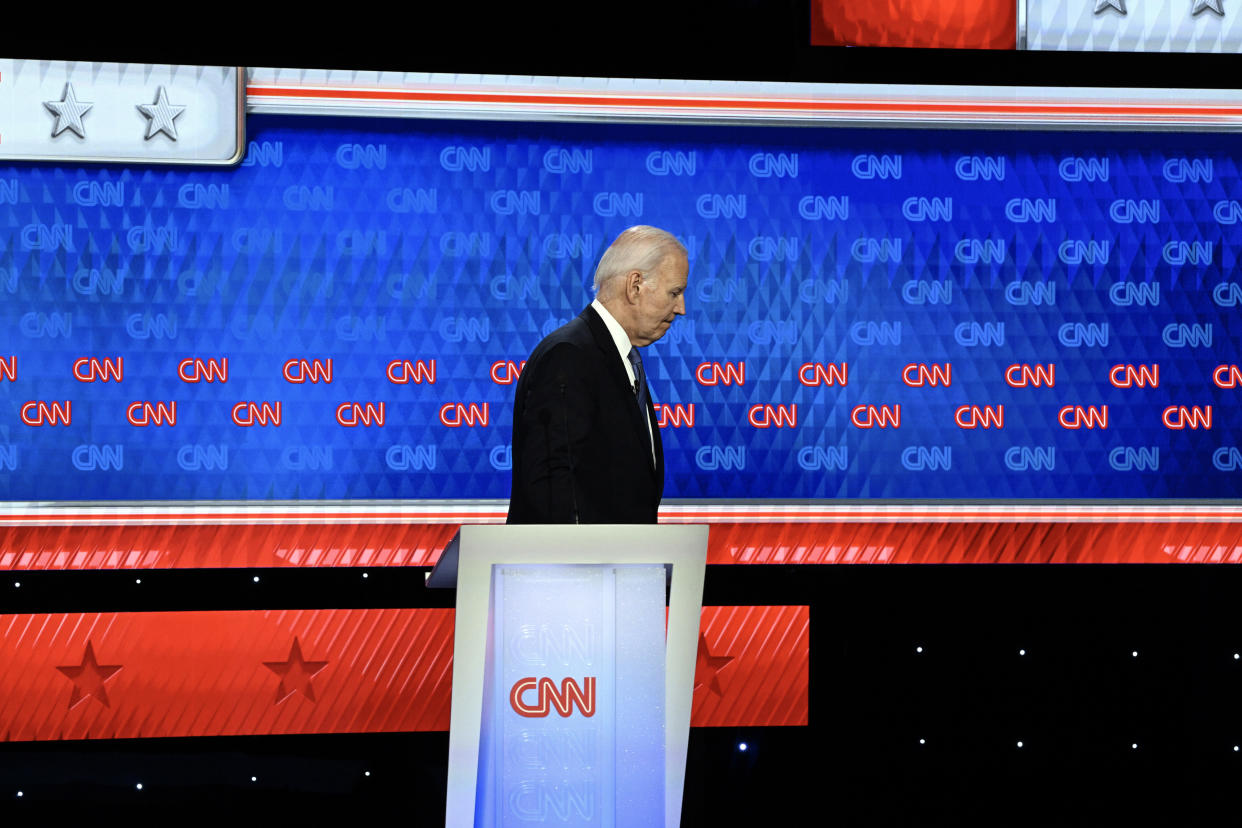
{"x":571,"y":702}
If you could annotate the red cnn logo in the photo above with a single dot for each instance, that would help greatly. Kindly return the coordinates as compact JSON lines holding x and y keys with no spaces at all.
{"x":919,"y":374}
{"x":547,"y":697}
{"x":90,"y":369}
{"x":1183,"y":416}
{"x":1227,"y":376}
{"x":302,"y":370}
{"x":1135,"y":376}
{"x":674,"y":416}
{"x":37,"y":413}
{"x":817,"y":373}
{"x":980,"y":416}
{"x":247,"y":413}
{"x":876,"y":416}
{"x":354,"y":414}
{"x":193,"y":369}
{"x":403,"y":372}
{"x":455,"y":415}
{"x":1083,"y":416}
{"x":773,"y":416}
{"x":506,"y":371}
{"x":1021,"y":375}
{"x":143,"y":413}
{"x":721,"y":373}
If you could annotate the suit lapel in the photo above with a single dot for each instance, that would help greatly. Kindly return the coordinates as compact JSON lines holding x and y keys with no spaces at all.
{"x":603,"y":340}
{"x":612,"y":359}
{"x":659,"y":443}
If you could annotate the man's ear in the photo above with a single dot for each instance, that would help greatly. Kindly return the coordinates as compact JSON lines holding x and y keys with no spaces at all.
{"x":632,"y":280}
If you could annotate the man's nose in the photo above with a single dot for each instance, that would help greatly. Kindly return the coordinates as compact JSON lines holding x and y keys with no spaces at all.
{"x":680,"y":310}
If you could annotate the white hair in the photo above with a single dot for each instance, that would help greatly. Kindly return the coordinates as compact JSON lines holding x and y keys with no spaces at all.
{"x":642,"y":247}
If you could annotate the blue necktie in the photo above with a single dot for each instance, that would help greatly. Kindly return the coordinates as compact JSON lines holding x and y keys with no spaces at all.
{"x":640,"y":384}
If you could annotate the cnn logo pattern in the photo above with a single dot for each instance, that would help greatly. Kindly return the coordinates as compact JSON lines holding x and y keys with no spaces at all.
{"x":896,"y":314}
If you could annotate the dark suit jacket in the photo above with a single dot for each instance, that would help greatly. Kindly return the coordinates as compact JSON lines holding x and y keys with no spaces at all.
{"x":580,"y":448}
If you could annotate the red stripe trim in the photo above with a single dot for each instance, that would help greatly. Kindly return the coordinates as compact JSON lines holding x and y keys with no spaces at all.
{"x":137,"y":546}
{"x":634,"y":101}
{"x":292,"y":517}
{"x":791,"y":516}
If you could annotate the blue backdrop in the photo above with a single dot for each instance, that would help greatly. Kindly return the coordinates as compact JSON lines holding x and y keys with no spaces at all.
{"x":816,"y":255}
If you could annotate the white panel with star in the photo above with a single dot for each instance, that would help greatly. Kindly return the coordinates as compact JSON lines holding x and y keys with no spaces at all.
{"x":1134,"y":25}
{"x":135,"y":113}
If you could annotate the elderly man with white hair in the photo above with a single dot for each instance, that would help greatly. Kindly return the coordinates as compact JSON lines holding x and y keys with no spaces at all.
{"x":586,"y":446}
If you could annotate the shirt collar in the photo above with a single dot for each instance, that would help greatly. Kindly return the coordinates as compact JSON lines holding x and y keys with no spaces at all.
{"x":619,"y":337}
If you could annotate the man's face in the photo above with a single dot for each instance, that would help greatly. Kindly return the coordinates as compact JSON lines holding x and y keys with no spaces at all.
{"x":661,"y":299}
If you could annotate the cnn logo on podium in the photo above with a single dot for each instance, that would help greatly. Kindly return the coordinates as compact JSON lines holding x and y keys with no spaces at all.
{"x":547,"y":697}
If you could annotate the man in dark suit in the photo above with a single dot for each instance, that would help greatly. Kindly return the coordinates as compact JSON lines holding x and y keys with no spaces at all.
{"x":586,"y":446}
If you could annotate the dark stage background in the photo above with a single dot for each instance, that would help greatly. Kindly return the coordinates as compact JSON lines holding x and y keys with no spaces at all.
{"x":1077,"y":700}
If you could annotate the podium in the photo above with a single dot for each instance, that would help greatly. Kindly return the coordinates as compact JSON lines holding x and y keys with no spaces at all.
{"x":573,"y":669}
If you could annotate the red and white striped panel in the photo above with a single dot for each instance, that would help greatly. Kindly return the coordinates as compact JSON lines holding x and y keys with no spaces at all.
{"x":275,"y":535}
{"x":513,"y":97}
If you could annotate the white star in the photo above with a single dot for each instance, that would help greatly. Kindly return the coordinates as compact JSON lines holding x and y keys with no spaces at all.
{"x":161,"y":114}
{"x":1214,"y":6}
{"x":1102,"y":6}
{"x":68,"y":111}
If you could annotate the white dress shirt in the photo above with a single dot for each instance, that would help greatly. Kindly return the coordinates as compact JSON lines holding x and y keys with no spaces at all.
{"x":622,"y":340}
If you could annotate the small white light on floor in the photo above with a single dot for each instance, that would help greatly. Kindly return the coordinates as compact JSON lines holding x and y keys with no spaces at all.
{"x":741,"y":746}
{"x":256,"y":579}
{"x":1019,"y":744}
{"x":365,"y":575}
{"x":140,"y":786}
{"x":366,"y":773}
{"x":19,"y":793}
{"x":254,"y":779}
{"x":1021,"y":652}
{"x":1134,"y":746}
{"x":918,"y":649}
{"x":17,"y":583}
{"x":137,"y":580}
{"x":1236,"y":656}
{"x":1134,"y":653}
{"x":1235,"y":748}
{"x":922,"y":741}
